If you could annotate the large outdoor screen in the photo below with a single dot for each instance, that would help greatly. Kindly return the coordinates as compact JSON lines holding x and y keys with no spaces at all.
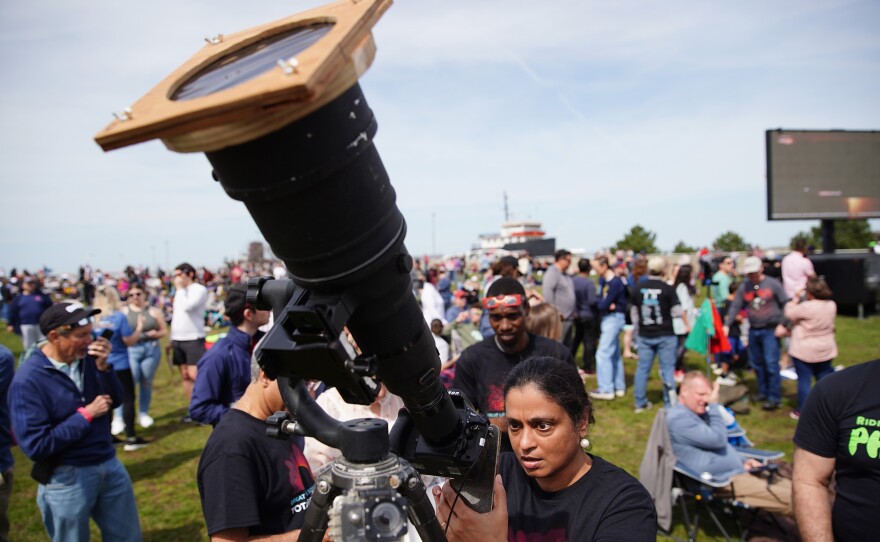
{"x":830,"y":175}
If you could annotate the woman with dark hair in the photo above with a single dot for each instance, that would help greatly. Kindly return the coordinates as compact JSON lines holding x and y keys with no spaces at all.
{"x":812,"y":348}
{"x":681,"y":325}
{"x":549,"y":487}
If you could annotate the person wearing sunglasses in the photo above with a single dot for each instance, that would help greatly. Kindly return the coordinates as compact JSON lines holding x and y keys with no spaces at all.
{"x":144,"y":356}
{"x":482,"y":368}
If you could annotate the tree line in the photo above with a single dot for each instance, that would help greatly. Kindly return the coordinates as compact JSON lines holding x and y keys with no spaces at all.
{"x":853,"y":234}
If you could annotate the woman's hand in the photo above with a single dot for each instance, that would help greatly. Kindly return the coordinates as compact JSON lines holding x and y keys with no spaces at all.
{"x":465,"y":524}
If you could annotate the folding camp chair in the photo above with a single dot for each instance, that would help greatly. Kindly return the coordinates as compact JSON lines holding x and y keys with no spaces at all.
{"x":736,"y":435}
{"x":694,"y":494}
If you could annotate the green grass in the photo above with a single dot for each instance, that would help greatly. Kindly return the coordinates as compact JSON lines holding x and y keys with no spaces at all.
{"x":164,"y":473}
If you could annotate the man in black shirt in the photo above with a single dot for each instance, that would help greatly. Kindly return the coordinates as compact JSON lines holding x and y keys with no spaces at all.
{"x":656,"y":304}
{"x":253,"y":486}
{"x":481,"y":371}
{"x":839,"y":433}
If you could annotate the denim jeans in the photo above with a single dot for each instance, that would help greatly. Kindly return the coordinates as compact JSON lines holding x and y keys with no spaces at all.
{"x":806,"y":371}
{"x":143,"y":358}
{"x":102,"y":492}
{"x":764,"y":357}
{"x":31,"y":335}
{"x":609,"y":363}
{"x":664,"y":349}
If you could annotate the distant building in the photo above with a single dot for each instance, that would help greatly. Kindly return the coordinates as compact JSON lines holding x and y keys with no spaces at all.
{"x":255,"y":252}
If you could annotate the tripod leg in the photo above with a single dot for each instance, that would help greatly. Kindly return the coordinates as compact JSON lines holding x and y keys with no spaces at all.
{"x":421,"y":512}
{"x":315,"y":523}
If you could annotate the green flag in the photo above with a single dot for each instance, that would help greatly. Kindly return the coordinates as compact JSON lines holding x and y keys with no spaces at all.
{"x":701,"y":330}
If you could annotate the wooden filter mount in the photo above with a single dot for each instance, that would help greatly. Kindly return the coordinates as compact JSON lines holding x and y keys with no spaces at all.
{"x":263,"y":103}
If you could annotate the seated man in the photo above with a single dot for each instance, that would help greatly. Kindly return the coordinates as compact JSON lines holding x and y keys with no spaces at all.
{"x":253,"y":487}
{"x":699,"y":440}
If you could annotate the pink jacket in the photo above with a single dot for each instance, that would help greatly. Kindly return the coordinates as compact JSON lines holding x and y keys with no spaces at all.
{"x":812,"y":337}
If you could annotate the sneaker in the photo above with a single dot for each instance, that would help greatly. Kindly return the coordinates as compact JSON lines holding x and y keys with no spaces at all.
{"x":186,"y":419}
{"x":770,"y":405}
{"x":619,"y":393}
{"x":145,"y":420}
{"x":717,"y":370}
{"x":134,"y":443}
{"x":640,"y":409}
{"x":679,"y":376}
{"x":795,"y":414}
{"x":788,"y":373}
{"x":117,"y":426}
{"x":117,"y":441}
{"x":601,"y":395}
{"x":729,"y":380}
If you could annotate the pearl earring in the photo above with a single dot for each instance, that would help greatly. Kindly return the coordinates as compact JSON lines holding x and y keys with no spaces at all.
{"x":586,"y":444}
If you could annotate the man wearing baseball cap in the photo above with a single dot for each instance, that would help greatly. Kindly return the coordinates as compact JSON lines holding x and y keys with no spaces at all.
{"x":59,"y":400}
{"x":764,"y":299}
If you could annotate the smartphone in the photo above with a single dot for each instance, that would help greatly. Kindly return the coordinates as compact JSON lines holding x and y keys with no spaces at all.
{"x":106,"y":334}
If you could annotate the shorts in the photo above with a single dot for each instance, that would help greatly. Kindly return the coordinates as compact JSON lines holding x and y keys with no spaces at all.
{"x":187,"y":352}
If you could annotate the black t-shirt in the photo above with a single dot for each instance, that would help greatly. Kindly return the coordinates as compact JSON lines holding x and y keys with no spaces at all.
{"x":841,"y":419}
{"x":247,"y":479}
{"x":481,"y":371}
{"x":606,"y":503}
{"x":654,"y":299}
{"x":734,"y":330}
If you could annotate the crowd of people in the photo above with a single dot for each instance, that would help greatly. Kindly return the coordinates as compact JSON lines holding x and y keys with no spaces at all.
{"x":508,"y":333}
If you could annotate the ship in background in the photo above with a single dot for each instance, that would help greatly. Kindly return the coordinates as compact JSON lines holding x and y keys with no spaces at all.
{"x":517,"y":236}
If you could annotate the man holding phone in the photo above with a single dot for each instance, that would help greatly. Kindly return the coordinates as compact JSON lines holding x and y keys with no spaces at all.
{"x":59,"y":401}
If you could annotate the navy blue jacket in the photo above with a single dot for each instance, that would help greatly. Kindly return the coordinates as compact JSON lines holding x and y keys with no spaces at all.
{"x":43,"y":403}
{"x":26,"y":309}
{"x":7,"y":369}
{"x":223,"y":375}
{"x":612,"y":292}
{"x":585,"y":296}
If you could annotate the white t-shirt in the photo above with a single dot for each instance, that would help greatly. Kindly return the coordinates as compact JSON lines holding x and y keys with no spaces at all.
{"x":188,"y":316}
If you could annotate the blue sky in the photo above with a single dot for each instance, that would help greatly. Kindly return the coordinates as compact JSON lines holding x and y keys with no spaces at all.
{"x":591,"y":116}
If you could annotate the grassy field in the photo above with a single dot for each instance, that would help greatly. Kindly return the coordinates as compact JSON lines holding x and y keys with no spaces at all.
{"x":164,"y":472}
